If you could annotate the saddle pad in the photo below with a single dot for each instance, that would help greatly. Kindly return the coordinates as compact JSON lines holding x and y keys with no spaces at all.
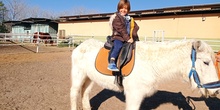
{"x":101,"y":63}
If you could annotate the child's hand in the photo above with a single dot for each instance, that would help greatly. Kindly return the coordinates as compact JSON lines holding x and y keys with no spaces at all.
{"x":131,"y":40}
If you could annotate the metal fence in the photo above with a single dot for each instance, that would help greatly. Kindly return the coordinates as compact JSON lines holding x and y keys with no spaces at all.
{"x":215,"y":44}
{"x":28,"y":39}
{"x":74,"y":40}
{"x":158,"y":36}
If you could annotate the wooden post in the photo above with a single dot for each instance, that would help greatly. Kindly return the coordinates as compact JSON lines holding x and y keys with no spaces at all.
{"x":38,"y":41}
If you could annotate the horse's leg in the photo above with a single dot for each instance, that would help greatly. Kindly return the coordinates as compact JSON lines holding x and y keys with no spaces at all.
{"x":135,"y":95}
{"x":78,"y":78}
{"x":86,"y":88}
{"x":45,"y":42}
{"x":51,"y":41}
{"x":133,"y":100}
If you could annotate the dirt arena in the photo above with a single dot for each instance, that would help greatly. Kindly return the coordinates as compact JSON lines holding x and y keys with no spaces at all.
{"x":41,"y":81}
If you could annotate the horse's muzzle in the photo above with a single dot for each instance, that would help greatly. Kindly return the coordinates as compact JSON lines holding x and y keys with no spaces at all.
{"x":214,"y":94}
{"x":217,"y":92}
{"x":210,"y":93}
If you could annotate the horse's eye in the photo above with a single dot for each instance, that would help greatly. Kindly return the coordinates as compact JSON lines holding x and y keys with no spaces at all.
{"x":206,"y":63}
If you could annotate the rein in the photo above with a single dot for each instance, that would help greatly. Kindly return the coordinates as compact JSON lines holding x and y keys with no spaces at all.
{"x":217,"y":65}
{"x":193,"y":72}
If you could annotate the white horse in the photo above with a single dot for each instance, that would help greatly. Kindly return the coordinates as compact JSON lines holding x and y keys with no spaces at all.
{"x":154,"y":63}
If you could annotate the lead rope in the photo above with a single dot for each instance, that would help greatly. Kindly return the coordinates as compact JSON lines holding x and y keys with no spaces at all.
{"x":217,"y":66}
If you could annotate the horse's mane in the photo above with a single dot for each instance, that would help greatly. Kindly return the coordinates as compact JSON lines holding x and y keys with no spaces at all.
{"x":154,"y":46}
{"x":163,"y":48}
{"x":160,"y":48}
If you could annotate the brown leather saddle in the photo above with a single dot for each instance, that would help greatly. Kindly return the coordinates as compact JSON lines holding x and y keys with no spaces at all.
{"x":125,"y":61}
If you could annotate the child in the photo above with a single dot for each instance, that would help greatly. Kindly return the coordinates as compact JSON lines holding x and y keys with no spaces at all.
{"x":120,"y":24}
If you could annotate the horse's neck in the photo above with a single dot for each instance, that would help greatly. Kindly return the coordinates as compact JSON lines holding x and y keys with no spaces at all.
{"x":167,"y":60}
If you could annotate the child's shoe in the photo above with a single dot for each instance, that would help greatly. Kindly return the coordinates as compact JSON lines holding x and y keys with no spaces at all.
{"x":112,"y":67}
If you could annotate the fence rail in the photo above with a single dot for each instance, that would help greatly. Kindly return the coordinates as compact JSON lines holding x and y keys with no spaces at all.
{"x":26,"y":39}
{"x":71,"y":40}
{"x":214,"y":43}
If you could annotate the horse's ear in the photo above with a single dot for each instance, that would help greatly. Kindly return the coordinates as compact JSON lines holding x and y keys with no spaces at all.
{"x":198,"y":45}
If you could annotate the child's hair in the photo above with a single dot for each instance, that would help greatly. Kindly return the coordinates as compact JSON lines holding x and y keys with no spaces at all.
{"x":123,"y":3}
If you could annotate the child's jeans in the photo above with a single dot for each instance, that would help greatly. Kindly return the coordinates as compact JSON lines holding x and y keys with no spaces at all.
{"x":116,"y":49}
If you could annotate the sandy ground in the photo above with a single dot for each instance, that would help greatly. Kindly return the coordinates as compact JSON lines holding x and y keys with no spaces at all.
{"x":41,"y":81}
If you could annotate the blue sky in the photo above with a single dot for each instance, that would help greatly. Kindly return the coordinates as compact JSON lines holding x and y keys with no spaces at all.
{"x":105,"y":6}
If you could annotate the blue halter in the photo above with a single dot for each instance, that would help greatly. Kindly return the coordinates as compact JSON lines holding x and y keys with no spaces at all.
{"x":193,"y":72}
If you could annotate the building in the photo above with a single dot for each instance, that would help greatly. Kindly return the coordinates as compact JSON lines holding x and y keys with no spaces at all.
{"x":32,"y":25}
{"x":197,"y":21}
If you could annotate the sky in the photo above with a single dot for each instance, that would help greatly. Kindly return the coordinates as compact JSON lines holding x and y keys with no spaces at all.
{"x":109,"y":6}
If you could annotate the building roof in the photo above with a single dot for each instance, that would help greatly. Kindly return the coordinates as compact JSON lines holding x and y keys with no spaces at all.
{"x":34,"y":20}
{"x":183,"y":10}
{"x":31,"y":21}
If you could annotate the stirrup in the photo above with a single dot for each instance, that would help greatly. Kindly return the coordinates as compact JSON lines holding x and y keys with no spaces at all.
{"x":118,"y":80}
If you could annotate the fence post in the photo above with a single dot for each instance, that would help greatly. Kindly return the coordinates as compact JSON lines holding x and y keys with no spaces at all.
{"x":158,"y":36}
{"x":57,"y":40}
{"x":70,"y":41}
{"x":58,"y":37}
{"x":145,"y":38}
{"x":31,"y":39}
{"x":73,"y":40}
{"x":5,"y":37}
{"x":22,"y":40}
{"x":38,"y":41}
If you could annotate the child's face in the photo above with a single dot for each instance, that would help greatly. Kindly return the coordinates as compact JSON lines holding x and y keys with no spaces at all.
{"x":124,"y":10}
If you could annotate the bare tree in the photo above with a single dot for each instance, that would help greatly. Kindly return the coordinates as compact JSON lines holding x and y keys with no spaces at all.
{"x":50,"y":14}
{"x":33,"y":12}
{"x":2,"y":11}
{"x":19,"y":9}
{"x":16,"y":9}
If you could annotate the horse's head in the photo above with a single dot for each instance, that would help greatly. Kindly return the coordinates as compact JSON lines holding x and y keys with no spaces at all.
{"x":204,"y":68}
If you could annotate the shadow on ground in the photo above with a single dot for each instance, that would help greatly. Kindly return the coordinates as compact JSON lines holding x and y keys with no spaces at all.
{"x":161,"y":97}
{"x":213,"y":103}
